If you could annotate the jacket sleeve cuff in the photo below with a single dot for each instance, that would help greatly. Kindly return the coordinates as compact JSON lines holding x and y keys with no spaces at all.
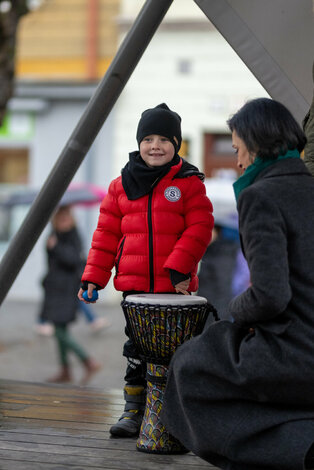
{"x":177,"y":277}
{"x":84,"y":285}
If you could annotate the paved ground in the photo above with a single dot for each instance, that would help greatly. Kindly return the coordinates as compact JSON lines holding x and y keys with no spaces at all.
{"x":24,"y":355}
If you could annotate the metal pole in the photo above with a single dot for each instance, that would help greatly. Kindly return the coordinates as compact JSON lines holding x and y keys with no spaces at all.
{"x":260,"y":51}
{"x":98,"y":109}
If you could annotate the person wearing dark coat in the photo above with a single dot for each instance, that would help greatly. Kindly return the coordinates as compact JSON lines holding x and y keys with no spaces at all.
{"x":241,"y":394}
{"x":223,"y":272}
{"x":60,"y":286}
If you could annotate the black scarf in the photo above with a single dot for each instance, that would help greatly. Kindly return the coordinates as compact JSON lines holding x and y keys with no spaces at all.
{"x":139,"y":179}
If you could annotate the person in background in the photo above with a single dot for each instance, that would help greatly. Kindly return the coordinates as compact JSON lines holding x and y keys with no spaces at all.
{"x":241,"y":394}
{"x":223,"y":273}
{"x":59,"y":308}
{"x":154,"y":226}
{"x":96,"y":323}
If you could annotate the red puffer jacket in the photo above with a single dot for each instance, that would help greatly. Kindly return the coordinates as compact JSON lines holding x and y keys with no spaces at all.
{"x":170,"y":228}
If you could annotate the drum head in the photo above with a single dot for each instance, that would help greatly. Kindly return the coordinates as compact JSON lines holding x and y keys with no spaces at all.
{"x":166,"y":299}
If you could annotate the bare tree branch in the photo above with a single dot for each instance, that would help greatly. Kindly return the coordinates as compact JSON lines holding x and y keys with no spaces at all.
{"x":10,"y":14}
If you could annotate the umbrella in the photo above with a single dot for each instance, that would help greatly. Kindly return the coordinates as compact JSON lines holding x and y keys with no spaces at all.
{"x":77,"y":194}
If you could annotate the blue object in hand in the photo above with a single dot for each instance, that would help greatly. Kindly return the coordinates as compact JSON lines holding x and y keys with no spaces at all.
{"x":94,"y":296}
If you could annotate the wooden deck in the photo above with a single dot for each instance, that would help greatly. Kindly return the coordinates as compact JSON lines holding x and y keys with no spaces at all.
{"x":51,"y":427}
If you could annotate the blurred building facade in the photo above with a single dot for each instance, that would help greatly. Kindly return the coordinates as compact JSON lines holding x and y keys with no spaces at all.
{"x":64,"y":48}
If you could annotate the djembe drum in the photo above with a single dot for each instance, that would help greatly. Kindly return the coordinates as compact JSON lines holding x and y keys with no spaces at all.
{"x":158,"y":324}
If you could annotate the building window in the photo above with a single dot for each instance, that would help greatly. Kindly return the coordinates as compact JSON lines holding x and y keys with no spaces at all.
{"x":14,"y":165}
{"x":219,"y":155}
{"x":184,"y":151}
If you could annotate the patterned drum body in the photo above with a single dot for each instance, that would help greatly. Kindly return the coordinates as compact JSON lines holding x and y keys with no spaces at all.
{"x":158,"y":324}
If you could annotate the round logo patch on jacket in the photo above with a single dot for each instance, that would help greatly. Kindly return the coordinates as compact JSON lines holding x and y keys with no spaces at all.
{"x":172,"y":193}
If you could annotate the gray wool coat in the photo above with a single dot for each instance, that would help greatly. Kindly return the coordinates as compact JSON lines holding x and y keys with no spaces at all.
{"x":241,"y":394}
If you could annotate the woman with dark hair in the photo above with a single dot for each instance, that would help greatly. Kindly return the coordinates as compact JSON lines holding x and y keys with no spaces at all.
{"x":241,"y":394}
{"x":267,"y":128}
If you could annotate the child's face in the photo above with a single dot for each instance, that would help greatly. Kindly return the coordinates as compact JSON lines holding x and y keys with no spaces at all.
{"x":156,"y":150}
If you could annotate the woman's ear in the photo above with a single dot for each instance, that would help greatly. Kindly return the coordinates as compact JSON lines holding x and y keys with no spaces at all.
{"x":252,"y":157}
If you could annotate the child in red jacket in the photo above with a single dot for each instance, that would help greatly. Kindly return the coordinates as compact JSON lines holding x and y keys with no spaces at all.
{"x":154,"y":226}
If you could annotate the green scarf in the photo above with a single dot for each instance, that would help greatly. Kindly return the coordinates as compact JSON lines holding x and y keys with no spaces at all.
{"x":253,"y":170}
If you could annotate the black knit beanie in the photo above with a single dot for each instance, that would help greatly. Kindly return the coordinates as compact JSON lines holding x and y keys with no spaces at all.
{"x":161,"y":121}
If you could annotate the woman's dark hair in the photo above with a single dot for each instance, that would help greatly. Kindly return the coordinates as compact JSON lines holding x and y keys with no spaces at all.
{"x":267,"y":128}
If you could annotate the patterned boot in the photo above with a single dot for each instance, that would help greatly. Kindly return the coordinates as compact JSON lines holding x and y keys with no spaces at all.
{"x":129,"y":423}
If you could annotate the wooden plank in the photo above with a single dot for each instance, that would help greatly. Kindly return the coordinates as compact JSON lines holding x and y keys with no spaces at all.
{"x":13,"y":404}
{"x":32,"y":401}
{"x":48,"y":427}
{"x":43,"y":395}
{"x":123,"y":459}
{"x":52,"y":425}
{"x":59,"y":464}
{"x":84,"y":446}
{"x":14,"y":386}
{"x":64,"y":415}
{"x":115,"y":460}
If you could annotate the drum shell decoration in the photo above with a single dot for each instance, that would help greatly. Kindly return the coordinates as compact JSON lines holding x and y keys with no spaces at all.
{"x":158,"y":329}
{"x":154,"y":437}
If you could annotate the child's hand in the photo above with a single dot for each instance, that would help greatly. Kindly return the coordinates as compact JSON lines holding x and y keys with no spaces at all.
{"x":181,"y":287}
{"x":90,"y":289}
